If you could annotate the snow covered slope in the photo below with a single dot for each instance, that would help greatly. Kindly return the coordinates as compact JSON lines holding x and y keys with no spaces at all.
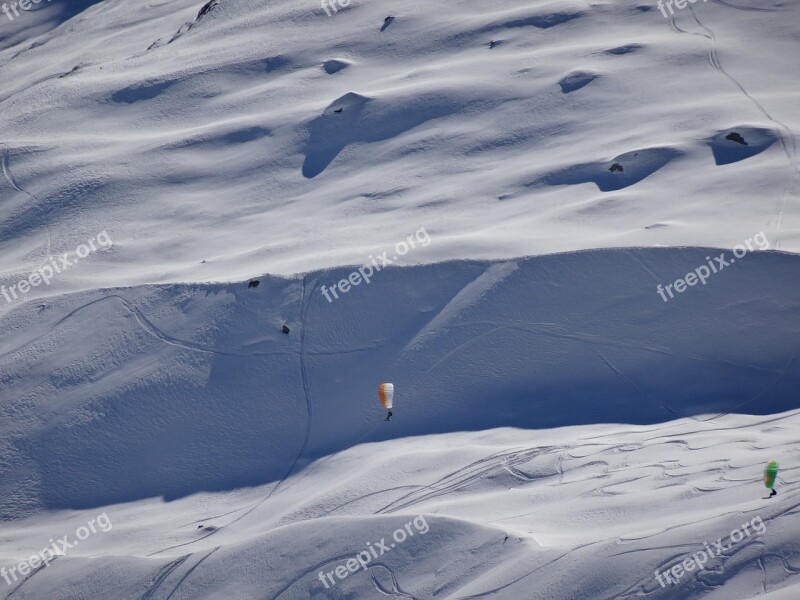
{"x":186,"y":389}
{"x":217,"y":137}
{"x":572,"y":513}
{"x":563,"y":429}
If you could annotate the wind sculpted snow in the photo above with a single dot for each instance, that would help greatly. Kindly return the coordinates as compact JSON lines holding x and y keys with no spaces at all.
{"x":183,"y":389}
{"x":562,"y":428}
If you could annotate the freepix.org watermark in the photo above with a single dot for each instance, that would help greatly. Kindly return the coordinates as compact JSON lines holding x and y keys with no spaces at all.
{"x":366,"y":272}
{"x":329,"y":5}
{"x":703,"y":272}
{"x":58,"y":265}
{"x":58,"y":547}
{"x":362,"y":559}
{"x":8,"y":8}
{"x":678,"y":4}
{"x":699,"y":559}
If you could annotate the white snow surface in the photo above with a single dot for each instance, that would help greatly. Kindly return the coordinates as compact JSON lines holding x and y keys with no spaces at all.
{"x":560,"y":431}
{"x":222,"y":144}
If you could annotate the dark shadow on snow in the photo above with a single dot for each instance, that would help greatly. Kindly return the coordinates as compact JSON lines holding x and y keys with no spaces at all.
{"x":739,"y":143}
{"x":620,"y":172}
{"x":354,"y":119}
{"x":551,"y":341}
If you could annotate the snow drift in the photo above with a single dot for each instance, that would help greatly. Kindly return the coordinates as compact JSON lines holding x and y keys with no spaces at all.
{"x":172,"y":390}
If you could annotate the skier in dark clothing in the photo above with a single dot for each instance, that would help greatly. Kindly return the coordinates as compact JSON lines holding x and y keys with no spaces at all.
{"x":389,"y":416}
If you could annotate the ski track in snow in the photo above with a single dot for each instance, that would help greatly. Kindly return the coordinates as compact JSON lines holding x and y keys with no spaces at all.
{"x":162,"y":576}
{"x":13,"y":182}
{"x":396,"y":590}
{"x":190,"y":571}
{"x":27,"y":578}
{"x":785,"y":134}
{"x":159,"y":334}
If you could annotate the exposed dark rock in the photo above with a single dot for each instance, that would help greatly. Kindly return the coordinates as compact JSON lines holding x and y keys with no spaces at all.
{"x":736,"y":137}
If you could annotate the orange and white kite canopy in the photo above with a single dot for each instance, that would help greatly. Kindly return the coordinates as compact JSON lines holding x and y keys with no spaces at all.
{"x":386,"y":394}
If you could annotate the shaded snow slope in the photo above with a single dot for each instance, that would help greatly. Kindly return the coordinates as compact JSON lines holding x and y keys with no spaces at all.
{"x":173,"y":390}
